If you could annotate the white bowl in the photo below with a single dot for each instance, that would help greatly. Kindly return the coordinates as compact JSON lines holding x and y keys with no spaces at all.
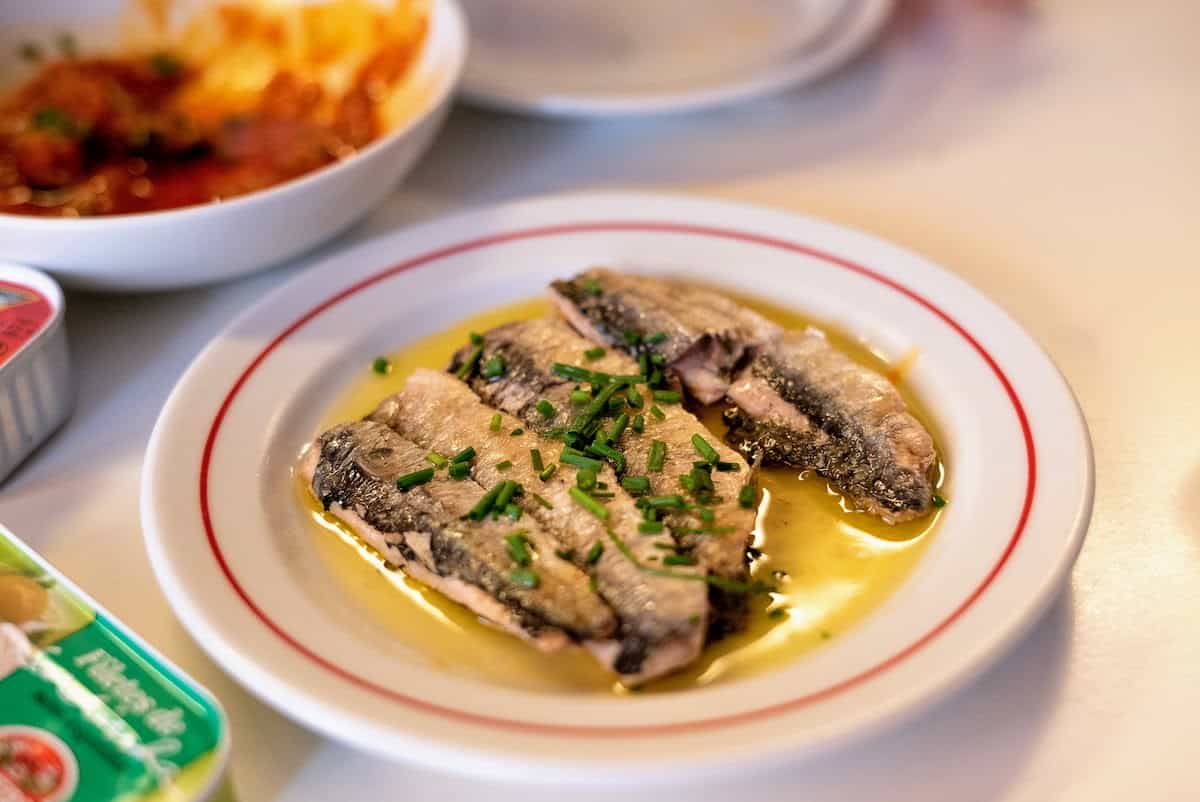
{"x":203,"y":244}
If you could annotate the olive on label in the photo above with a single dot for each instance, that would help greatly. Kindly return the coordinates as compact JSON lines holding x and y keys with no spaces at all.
{"x":21,"y":599}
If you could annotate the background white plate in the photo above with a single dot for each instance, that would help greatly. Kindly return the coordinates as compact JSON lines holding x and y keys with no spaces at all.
{"x":626,"y":57}
{"x":230,"y":545}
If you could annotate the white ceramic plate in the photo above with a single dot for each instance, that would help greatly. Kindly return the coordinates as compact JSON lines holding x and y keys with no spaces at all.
{"x":229,"y":542}
{"x":627,"y":57}
{"x":217,"y":241}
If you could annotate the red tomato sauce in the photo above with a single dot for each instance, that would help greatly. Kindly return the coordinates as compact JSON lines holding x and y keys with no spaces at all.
{"x":108,"y":135}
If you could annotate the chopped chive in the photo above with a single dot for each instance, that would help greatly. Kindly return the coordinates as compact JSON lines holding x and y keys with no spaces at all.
{"x":575,"y":373}
{"x":650,"y":527}
{"x":485,"y":503}
{"x":593,"y":353}
{"x":679,"y":559}
{"x":580,"y":461}
{"x":518,"y":547}
{"x":656,"y":338}
{"x":632,"y":337}
{"x":778,"y":612}
{"x":535,"y":457}
{"x":656,"y":412}
{"x":580,"y":396}
{"x":525,"y":577}
{"x":565,"y":554}
{"x":593,"y":286}
{"x":705,"y":514}
{"x":517,"y":432}
{"x":507,"y":490}
{"x":592,"y":585}
{"x":594,"y":553}
{"x":464,"y":370}
{"x":687,"y":482}
{"x":381,"y":365}
{"x":618,"y":427}
{"x":588,"y":503}
{"x":459,"y":470}
{"x":495,"y":422}
{"x":658,"y":359}
{"x":494,"y":367}
{"x":504,"y":465}
{"x":663,"y":502}
{"x":476,"y":338}
{"x":730,"y":585}
{"x":594,"y":408}
{"x":939,"y":502}
{"x":747,"y":495}
{"x":585,"y":480}
{"x":644,"y":365}
{"x":547,"y":472}
{"x":634,"y":398}
{"x":609,"y":453}
{"x":436,"y":460}
{"x":546,"y":408}
{"x":466,"y":455}
{"x":658,"y":453}
{"x":728,"y":467}
{"x":703,"y":480}
{"x":667,"y":396}
{"x":415,"y":478}
{"x":704,"y":466}
{"x":602,"y":494}
{"x":656,"y":378}
{"x":513,"y":512}
{"x":636,"y":484}
{"x":541,"y":500}
{"x":704,"y":449}
{"x":615,"y":404}
{"x":639,"y":423}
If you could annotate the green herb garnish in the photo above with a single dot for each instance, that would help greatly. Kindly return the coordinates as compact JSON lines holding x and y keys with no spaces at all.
{"x":468,"y":365}
{"x":747,"y":496}
{"x":636,"y":484}
{"x":658,"y":453}
{"x":594,"y":553}
{"x":593,"y":353}
{"x":588,"y":503}
{"x":436,"y":460}
{"x":667,"y":396}
{"x":495,"y":422}
{"x":466,"y":455}
{"x":415,"y":478}
{"x":546,"y":409}
{"x":518,"y":547}
{"x":939,"y":502}
{"x":494,"y":367}
{"x":525,"y":577}
{"x":704,"y":449}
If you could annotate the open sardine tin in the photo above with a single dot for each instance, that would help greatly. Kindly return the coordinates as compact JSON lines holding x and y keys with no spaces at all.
{"x":88,"y":711}
{"x":36,"y":388}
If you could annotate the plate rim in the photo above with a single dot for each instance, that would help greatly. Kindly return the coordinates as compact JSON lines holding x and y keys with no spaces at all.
{"x":866,"y":20}
{"x":506,"y":231}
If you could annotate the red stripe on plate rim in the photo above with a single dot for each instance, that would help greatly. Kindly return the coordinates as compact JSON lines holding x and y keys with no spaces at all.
{"x":616,"y":730}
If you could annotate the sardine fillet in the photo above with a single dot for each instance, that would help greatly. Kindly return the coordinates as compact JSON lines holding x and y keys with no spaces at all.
{"x":702,"y":334}
{"x":803,"y":403}
{"x":530,"y":348}
{"x":352,"y":470}
{"x":661,"y":620}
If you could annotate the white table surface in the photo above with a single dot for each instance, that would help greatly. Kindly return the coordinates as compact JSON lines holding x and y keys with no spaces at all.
{"x":1050,"y":155}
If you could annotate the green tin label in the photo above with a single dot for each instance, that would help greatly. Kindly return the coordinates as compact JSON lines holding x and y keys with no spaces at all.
{"x":85,"y":713}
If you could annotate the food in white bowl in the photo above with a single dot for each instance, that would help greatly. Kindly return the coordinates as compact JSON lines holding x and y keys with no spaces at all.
{"x":214,"y":140}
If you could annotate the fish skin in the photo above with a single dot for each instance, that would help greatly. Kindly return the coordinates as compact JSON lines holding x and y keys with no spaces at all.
{"x":531,"y":347}
{"x":352,"y":469}
{"x":707,"y":335}
{"x":661,"y":620}
{"x":803,"y":403}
